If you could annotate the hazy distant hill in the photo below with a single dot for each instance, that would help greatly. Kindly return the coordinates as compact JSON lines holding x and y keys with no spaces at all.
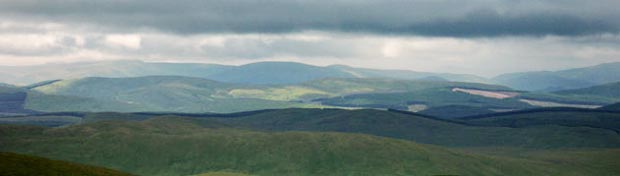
{"x":255,"y":73}
{"x":277,"y":73}
{"x":561,"y":80}
{"x":12,"y":164}
{"x":409,"y":75}
{"x":152,"y":93}
{"x":12,"y":100}
{"x":25,"y":75}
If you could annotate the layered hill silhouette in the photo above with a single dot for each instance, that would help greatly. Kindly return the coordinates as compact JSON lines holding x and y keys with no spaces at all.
{"x":255,"y":73}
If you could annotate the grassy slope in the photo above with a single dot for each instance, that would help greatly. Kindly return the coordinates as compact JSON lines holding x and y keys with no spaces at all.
{"x":173,"y":146}
{"x":186,"y":94}
{"x":425,"y":130}
{"x":12,"y":164}
{"x":596,"y":162}
{"x":455,"y":111}
{"x":154,"y":93}
{"x":432,"y":97}
{"x":604,"y":120}
{"x":357,"y":85}
{"x":610,"y":92}
{"x":544,"y":129}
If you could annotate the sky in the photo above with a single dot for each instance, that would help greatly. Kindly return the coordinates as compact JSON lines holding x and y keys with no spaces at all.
{"x":483,"y":37}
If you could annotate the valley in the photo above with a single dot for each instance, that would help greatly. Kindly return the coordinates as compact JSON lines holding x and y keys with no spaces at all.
{"x":309,"y":88}
{"x":323,"y":125}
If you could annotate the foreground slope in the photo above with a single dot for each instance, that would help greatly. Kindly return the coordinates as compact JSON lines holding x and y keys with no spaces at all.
{"x":12,"y":164}
{"x":181,"y":146}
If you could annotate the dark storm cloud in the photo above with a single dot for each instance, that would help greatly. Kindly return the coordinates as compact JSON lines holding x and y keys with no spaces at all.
{"x":457,"y":18}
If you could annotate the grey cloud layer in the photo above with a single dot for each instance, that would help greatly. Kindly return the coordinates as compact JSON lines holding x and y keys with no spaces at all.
{"x":456,"y":18}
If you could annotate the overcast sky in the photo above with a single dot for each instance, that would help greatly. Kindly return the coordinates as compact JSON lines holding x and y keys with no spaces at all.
{"x":484,"y":37}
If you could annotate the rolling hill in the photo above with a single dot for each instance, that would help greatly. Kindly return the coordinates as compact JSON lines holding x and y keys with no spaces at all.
{"x":188,"y":94}
{"x":542,"y":128}
{"x":436,"y":131}
{"x":609,"y":91}
{"x":182,"y":146}
{"x":198,"y":95}
{"x":12,"y":101}
{"x":428,"y":98}
{"x":562,"y":80}
{"x":153,"y":93}
{"x":612,"y":107}
{"x":570,"y":117}
{"x":25,"y":75}
{"x":12,"y":164}
{"x":254,"y":73}
{"x":455,"y":111}
{"x":277,"y":73}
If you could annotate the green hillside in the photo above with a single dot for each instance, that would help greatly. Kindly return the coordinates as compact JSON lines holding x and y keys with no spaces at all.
{"x":188,"y":94}
{"x":408,"y":75}
{"x":454,"y":111}
{"x":12,"y":164}
{"x":178,"y":146}
{"x":25,"y":75}
{"x":153,"y":93}
{"x":570,"y":117}
{"x":432,"y":97}
{"x":610,"y":91}
{"x":572,"y":128}
{"x":345,"y":86}
{"x":430,"y":130}
{"x":197,"y":95}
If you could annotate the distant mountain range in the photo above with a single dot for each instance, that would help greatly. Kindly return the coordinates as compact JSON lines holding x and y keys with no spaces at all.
{"x":255,"y":73}
{"x":293,"y":73}
{"x":564,"y":79}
